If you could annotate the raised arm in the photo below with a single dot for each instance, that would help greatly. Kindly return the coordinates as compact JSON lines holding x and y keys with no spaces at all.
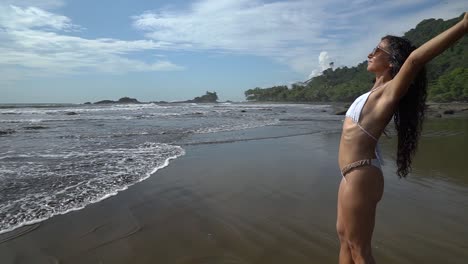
{"x":422,"y":55}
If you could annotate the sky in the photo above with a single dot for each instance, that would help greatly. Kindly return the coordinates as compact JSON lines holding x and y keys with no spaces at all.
{"x":64,"y":51}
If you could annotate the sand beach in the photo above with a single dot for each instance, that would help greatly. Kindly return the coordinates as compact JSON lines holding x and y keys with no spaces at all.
{"x":268,"y":198}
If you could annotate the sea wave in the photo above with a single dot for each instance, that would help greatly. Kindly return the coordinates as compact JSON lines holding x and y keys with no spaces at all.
{"x":235,"y":126}
{"x":57,"y":184}
{"x":78,"y":109}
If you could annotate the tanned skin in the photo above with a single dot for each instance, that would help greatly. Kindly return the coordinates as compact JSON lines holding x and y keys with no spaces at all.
{"x":360,"y":192}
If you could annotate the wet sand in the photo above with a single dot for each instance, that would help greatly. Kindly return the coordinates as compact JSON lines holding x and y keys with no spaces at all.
{"x":262,"y":201}
{"x":434,"y":110}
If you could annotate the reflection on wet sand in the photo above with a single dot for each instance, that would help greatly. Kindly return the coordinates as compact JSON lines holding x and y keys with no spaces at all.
{"x":265,"y":201}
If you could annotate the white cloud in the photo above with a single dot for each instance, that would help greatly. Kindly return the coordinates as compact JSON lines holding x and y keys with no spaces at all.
{"x":37,"y":41}
{"x":33,"y":42}
{"x":250,"y":27}
{"x":291,"y":32}
{"x":324,"y":60}
{"x":44,"y":4}
{"x":17,"y":18}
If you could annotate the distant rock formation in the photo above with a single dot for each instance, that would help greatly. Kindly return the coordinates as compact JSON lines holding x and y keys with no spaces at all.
{"x":123,"y":100}
{"x":128,"y":100}
{"x":105,"y":102}
{"x":207,"y":98}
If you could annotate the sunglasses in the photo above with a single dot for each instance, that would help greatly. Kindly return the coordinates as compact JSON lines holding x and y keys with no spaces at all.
{"x":379,"y":48}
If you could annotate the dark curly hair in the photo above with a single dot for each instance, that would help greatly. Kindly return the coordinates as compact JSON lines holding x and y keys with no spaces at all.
{"x":409,"y":114}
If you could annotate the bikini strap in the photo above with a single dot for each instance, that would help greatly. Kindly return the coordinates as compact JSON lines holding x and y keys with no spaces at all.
{"x":354,"y":165}
{"x":365,"y":131}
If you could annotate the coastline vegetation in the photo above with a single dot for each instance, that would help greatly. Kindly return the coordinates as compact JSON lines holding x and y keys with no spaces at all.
{"x":447,"y":75}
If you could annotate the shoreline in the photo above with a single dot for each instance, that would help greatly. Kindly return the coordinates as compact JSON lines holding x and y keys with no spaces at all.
{"x":266,"y":200}
{"x":433,"y":110}
{"x":187,"y":213}
{"x":26,"y":225}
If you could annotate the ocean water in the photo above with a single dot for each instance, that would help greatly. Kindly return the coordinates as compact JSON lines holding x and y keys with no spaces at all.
{"x":59,"y":158}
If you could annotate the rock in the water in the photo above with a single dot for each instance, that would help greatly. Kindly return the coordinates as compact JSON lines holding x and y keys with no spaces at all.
{"x":128,"y":100}
{"x":105,"y":102}
{"x":71,"y":113}
{"x":123,"y":100}
{"x":449,"y":112}
{"x":34,"y":127}
{"x":7,"y":132}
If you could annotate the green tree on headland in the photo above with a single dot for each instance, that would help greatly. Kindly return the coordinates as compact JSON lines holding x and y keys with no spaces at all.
{"x":451,"y":86}
{"x":447,"y":74}
{"x":275,"y":93}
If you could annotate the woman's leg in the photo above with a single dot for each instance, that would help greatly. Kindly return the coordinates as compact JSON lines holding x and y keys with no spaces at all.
{"x":357,"y":201}
{"x":345,"y":251}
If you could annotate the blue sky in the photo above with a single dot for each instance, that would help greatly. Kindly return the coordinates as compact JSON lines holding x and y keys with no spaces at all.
{"x":63,"y":51}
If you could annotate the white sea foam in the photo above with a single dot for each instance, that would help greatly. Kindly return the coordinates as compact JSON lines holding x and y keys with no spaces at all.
{"x":81,"y":109}
{"x":76,"y":180}
{"x":235,"y":126}
{"x":79,"y":163}
{"x":69,"y":119}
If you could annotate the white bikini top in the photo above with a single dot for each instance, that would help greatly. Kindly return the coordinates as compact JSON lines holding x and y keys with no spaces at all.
{"x":354,"y":112}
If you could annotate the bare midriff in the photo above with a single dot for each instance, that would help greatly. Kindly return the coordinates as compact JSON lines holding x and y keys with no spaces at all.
{"x":355,"y":144}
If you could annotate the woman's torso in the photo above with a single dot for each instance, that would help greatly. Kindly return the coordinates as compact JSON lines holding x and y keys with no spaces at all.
{"x":355,"y":144}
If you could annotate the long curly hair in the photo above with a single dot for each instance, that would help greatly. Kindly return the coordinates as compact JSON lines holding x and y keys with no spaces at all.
{"x":409,"y":114}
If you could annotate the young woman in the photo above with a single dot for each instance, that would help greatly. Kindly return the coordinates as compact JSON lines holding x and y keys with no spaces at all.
{"x":399,"y":92}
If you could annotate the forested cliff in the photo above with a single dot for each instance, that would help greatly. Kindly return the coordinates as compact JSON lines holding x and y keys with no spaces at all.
{"x":447,"y":74}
